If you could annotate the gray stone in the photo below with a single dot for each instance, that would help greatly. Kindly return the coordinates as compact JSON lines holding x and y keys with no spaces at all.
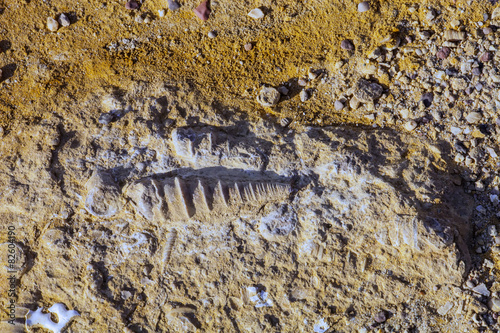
{"x":173,"y":5}
{"x":283,"y":90}
{"x":346,"y":45}
{"x":427,"y":99}
{"x":64,"y":20}
{"x":380,"y":317}
{"x":338,"y":105}
{"x":368,"y":91}
{"x":481,"y":289}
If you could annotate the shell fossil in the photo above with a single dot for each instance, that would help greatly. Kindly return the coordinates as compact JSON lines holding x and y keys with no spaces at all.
{"x":103,"y":197}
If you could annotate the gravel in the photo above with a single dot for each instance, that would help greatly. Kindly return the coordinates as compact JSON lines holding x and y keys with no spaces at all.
{"x":346,"y":45}
{"x":363,"y":6}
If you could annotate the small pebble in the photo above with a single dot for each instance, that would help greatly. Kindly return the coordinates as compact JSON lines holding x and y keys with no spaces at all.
{"x":494,"y":304}
{"x":482,"y":290}
{"x":427,"y":99}
{"x":476,"y":71}
{"x":410,"y":125}
{"x":304,"y":95}
{"x":173,"y":5}
{"x":363,"y":6}
{"x":487,"y":31}
{"x":52,"y":24}
{"x":487,"y":56}
{"x":132,"y":5}
{"x":455,"y":24}
{"x":354,"y":103}
{"x":459,"y":158}
{"x":1,"y":131}
{"x":473,"y":117}
{"x":346,"y":45}
{"x":147,"y":19}
{"x":248,"y":46}
{"x":425,"y":34}
{"x":256,"y":13}
{"x":443,"y":53}
{"x":312,"y":75}
{"x":283,"y":90}
{"x":431,"y":15}
{"x":212,"y":34}
{"x":268,"y":96}
{"x":380,"y":317}
{"x":161,"y":12}
{"x":54,"y":141}
{"x":202,"y":11}
{"x":338,"y":105}
{"x":64,"y":20}
{"x":139,"y":19}
{"x":106,"y":118}
{"x":140,"y":166}
{"x":302,"y":82}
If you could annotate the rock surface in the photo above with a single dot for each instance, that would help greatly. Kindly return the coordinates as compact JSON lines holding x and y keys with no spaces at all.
{"x":334,"y":204}
{"x":143,"y":187}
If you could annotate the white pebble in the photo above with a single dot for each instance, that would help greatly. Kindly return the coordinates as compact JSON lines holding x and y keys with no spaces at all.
{"x":304,"y":96}
{"x":410,"y":125}
{"x":211,"y":34}
{"x":161,"y":12}
{"x":473,"y":117}
{"x":338,"y":105}
{"x":312,"y":76}
{"x":492,"y":152}
{"x":405,"y":113}
{"x":363,"y":6}
{"x":64,"y":20}
{"x":455,"y":130}
{"x":52,"y":24}
{"x":256,"y":14}
{"x":459,"y":158}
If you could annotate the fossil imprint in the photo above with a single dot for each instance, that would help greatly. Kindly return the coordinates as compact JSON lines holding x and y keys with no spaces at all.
{"x":176,"y":198}
{"x":184,"y":197}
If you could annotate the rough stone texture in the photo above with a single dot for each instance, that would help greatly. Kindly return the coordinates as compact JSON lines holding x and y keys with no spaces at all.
{"x":367,"y":91}
{"x":233,"y":222}
{"x":150,"y":79}
{"x":268,"y":96}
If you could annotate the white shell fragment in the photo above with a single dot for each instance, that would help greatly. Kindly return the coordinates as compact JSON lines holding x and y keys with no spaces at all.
{"x":256,"y":14}
{"x":64,"y":317}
